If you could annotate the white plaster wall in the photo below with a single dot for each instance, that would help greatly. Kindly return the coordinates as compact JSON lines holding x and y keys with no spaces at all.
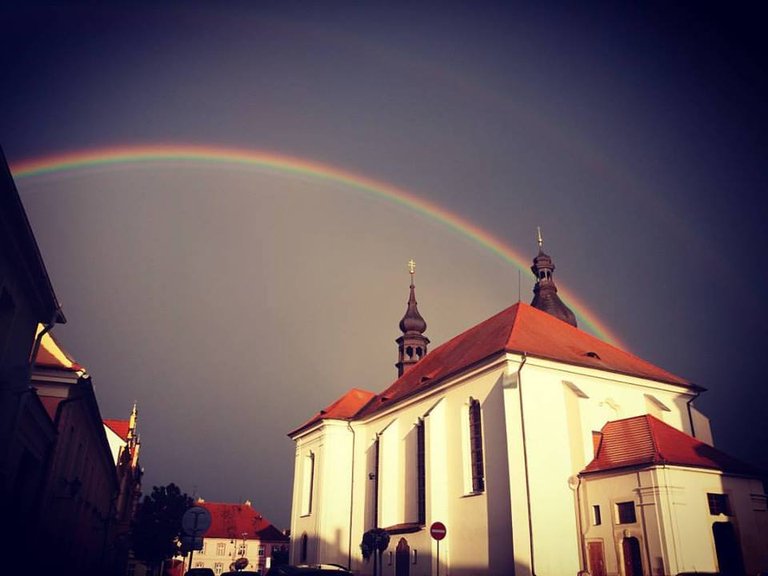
{"x":674,"y":524}
{"x":115,"y":442}
{"x":561,"y":407}
{"x":332,"y":493}
{"x":306,"y":523}
{"x":487,"y":532}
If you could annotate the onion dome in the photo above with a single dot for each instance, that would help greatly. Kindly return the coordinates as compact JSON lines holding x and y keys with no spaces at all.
{"x":412,"y":345}
{"x":545,"y":291}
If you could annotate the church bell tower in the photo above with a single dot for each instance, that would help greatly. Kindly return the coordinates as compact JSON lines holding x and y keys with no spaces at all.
{"x":545,"y":292}
{"x":412,"y":345}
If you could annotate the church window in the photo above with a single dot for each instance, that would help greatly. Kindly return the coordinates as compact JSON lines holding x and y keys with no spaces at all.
{"x":596,"y":516}
{"x":625,"y":511}
{"x":476,"y":446}
{"x":718,"y":504}
{"x":421,"y":473}
{"x":307,"y":484}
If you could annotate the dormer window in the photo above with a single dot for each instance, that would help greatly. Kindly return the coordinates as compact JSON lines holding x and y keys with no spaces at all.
{"x":591,"y":354}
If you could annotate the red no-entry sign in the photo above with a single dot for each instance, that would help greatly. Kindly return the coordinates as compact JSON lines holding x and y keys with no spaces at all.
{"x":437,"y":530}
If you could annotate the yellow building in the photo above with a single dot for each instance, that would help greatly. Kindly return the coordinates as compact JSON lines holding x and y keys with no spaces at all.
{"x":238,"y":533}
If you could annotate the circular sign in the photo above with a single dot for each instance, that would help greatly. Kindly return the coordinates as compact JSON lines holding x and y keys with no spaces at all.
{"x":196,"y":521}
{"x":437,"y":530}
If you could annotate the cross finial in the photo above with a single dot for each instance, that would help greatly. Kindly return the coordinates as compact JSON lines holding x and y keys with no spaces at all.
{"x":411,"y":267}
{"x":538,"y":237}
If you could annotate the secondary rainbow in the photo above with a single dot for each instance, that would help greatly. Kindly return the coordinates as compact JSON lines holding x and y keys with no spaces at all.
{"x":163,"y":153}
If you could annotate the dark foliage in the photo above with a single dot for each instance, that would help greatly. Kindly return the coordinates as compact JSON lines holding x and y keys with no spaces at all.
{"x":155,"y":531}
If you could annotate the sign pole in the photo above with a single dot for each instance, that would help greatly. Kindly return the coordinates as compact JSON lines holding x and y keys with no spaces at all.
{"x":438,"y":531}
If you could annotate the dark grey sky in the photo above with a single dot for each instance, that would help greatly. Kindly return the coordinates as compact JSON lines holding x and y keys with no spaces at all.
{"x":233,"y":303}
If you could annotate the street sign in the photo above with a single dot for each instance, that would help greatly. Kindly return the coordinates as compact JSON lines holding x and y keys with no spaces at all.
{"x":437,"y":530}
{"x":189,"y":543}
{"x":196,"y":521}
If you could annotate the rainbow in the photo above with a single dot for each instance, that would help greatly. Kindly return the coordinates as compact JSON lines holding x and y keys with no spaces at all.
{"x":288,"y":165}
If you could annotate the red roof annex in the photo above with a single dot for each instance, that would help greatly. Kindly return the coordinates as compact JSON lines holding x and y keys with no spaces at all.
{"x":344,"y":408}
{"x":647,"y":441}
{"x":522,"y":329}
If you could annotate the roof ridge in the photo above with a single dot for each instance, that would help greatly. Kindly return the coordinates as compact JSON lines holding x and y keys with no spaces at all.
{"x":516,"y":305}
{"x":652,"y":434}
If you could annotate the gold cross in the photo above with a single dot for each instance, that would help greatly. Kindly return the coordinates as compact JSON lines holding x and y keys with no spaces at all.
{"x":411,"y":266}
{"x":538,"y":234}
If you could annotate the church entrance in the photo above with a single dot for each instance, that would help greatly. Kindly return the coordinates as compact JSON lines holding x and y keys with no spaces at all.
{"x":727,"y":549}
{"x":402,"y":558}
{"x":633,"y":563}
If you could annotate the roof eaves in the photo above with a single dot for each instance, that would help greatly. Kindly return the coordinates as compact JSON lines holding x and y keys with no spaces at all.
{"x":431,"y":384}
{"x":682,"y":381}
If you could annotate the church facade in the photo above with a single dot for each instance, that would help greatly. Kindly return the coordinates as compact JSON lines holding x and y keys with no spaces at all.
{"x":542,"y":449}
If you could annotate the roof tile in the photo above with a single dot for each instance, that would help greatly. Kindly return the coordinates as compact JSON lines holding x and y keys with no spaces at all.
{"x":520,"y":328}
{"x":234,"y":520}
{"x":647,"y":441}
{"x":342,"y":409}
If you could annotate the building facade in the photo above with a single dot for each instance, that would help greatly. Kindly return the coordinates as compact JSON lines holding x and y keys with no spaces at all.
{"x":239,"y":538}
{"x":124,"y":443}
{"x":27,"y":434}
{"x":494,"y":434}
{"x":77,"y":509}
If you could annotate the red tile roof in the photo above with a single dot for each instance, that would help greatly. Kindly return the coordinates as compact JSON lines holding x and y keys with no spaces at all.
{"x":234,"y":520}
{"x":519,"y":328}
{"x":342,"y":409}
{"x":119,"y":427}
{"x":647,"y":441}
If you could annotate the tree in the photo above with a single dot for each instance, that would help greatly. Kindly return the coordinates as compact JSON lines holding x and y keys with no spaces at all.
{"x":156,"y":530}
{"x":374,"y":540}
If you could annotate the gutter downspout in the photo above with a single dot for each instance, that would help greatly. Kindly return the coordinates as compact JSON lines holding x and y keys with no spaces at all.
{"x":376,"y":483}
{"x":39,"y":339}
{"x":579,"y":524}
{"x":351,"y":495}
{"x":525,"y":462}
{"x":690,"y":414}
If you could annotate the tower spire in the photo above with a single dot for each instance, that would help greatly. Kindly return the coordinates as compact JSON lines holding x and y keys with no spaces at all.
{"x":545,"y":291}
{"x":412,"y":345}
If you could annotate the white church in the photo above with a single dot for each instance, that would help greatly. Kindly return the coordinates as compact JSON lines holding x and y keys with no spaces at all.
{"x":542,"y":450}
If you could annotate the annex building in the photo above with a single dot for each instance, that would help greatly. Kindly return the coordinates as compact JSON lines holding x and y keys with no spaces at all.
{"x":541,"y":448}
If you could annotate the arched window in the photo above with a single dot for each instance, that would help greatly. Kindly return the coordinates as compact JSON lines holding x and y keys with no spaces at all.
{"x":421,"y":473}
{"x":476,"y":446}
{"x":307,"y":484}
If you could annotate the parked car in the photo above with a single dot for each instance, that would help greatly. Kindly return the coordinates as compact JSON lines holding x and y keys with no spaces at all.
{"x":200,"y":572}
{"x":309,"y":570}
